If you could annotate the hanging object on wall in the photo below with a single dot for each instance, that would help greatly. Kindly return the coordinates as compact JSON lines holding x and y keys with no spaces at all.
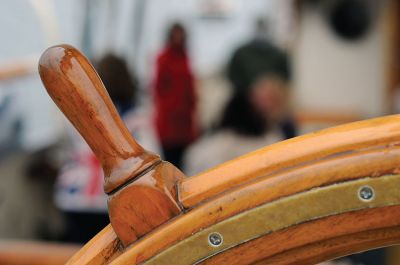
{"x":350,"y":19}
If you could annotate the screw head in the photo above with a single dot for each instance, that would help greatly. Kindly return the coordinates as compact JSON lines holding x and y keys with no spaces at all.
{"x":215,"y":239}
{"x":366,"y":193}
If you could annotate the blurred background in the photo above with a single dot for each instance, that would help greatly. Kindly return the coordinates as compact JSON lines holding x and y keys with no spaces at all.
{"x":188,"y":77}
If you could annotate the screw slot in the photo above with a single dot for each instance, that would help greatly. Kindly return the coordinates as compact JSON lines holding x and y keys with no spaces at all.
{"x":366,"y":193}
{"x":215,"y":239}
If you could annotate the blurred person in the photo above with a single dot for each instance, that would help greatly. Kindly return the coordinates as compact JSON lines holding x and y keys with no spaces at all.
{"x":271,"y":94}
{"x":79,"y":188}
{"x":246,"y":125}
{"x":174,"y":97}
{"x":257,"y":58}
{"x":261,"y":64}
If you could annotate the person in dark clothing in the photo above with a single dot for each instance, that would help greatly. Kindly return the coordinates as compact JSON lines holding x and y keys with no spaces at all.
{"x":121,"y":85}
{"x":242,"y":117}
{"x":174,"y":97}
{"x":244,"y":127}
{"x":258,"y":59}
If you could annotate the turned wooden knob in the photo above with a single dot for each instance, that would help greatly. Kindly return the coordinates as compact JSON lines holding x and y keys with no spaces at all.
{"x":75,"y":87}
{"x":142,"y":189}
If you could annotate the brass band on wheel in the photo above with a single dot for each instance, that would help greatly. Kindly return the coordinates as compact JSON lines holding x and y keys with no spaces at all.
{"x":283,"y":213}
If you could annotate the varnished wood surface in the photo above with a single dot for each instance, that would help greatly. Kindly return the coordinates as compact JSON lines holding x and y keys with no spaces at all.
{"x":16,"y":252}
{"x":288,"y":154}
{"x":101,"y":249}
{"x":370,"y":162}
{"x":146,"y":203}
{"x":75,"y":87}
{"x":146,"y":195}
{"x":277,"y":215}
{"x":337,"y":247}
{"x":141,"y":188}
{"x":320,"y":240}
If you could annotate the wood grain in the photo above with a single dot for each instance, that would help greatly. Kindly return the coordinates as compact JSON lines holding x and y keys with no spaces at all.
{"x":288,"y":154}
{"x":146,"y":195}
{"x":101,"y":249}
{"x":145,"y":203}
{"x":337,"y":247}
{"x":372,"y":162}
{"x":286,"y":212}
{"x":319,"y":240}
{"x":141,"y":188}
{"x":75,"y":87}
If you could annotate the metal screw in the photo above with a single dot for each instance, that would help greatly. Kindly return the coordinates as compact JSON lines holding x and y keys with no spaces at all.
{"x":215,"y":239}
{"x":366,"y":193}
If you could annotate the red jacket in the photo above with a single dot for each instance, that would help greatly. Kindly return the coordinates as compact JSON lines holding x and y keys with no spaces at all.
{"x":174,"y":98}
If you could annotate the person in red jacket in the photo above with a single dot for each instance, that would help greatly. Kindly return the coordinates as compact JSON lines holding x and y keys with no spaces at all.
{"x":174,"y":97}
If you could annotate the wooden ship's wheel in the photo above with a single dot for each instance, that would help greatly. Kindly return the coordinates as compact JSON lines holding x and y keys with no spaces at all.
{"x":301,"y":201}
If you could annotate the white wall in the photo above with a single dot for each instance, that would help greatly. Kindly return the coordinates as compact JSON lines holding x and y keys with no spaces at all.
{"x":211,"y":42}
{"x":27,"y":28}
{"x":334,"y":74}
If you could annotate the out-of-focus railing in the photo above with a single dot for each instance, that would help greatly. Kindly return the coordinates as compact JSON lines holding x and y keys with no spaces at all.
{"x":313,"y":120}
{"x":35,"y":253}
{"x":18,"y":68}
